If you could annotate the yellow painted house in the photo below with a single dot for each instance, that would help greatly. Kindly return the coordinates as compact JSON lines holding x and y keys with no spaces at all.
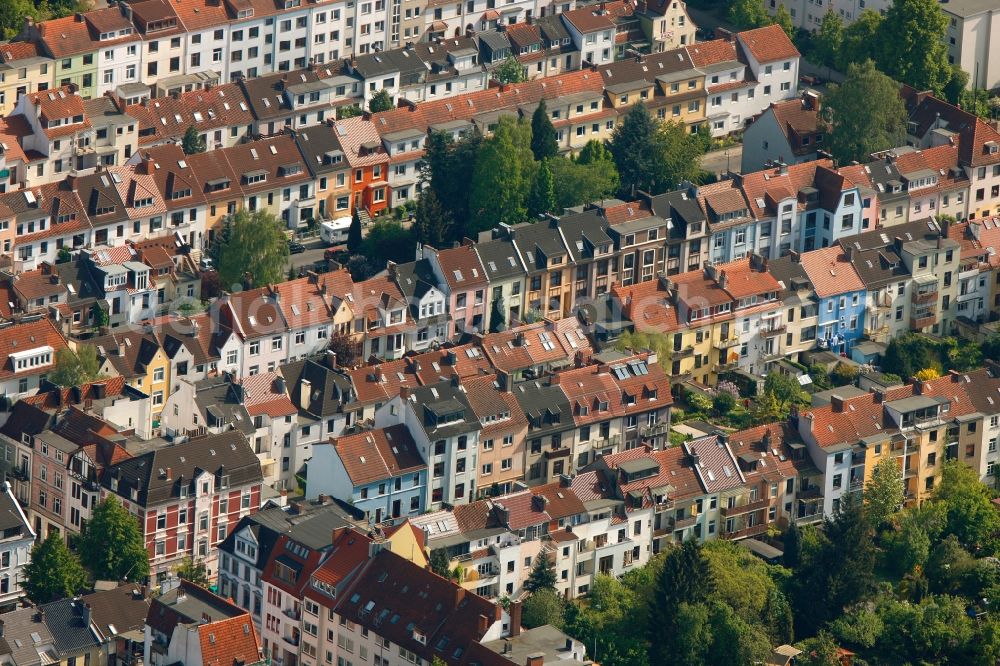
{"x":24,"y":69}
{"x":141,"y":360}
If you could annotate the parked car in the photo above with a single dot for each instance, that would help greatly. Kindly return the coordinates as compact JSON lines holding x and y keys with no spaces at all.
{"x":295,"y":247}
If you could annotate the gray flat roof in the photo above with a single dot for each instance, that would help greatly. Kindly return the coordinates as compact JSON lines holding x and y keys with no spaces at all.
{"x":968,"y":7}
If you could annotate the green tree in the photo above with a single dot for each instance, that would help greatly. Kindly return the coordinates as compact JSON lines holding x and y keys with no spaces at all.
{"x":388,"y":240}
{"x":192,"y":142}
{"x":354,"y":239}
{"x":829,"y":39}
{"x":843,"y":374}
{"x":576,"y":182}
{"x":431,"y":222}
{"x":766,"y":408}
{"x":53,"y":572}
{"x":348,"y":111}
{"x":501,"y":178}
{"x":193,"y":571}
{"x":860,"y":40}
{"x":542,"y":576}
{"x":650,"y":155}
{"x":884,"y":492}
{"x":543,"y":607}
{"x":970,"y":516}
{"x":510,"y":71}
{"x":866,"y":114}
{"x":911,"y":44}
{"x":859,"y":627}
{"x":381,"y":101}
{"x":445,"y":169}
{"x":784,"y":19}
{"x":786,"y":389}
{"x":792,"y":544}
{"x":543,"y":135}
{"x":747,"y":14}
{"x":439,"y":562}
{"x":821,"y":650}
{"x":957,"y":84}
{"x":542,"y":196}
{"x":99,"y":315}
{"x":723,"y":403}
{"x":256,"y":246}
{"x":111,"y":523}
{"x":686,"y":578}
{"x":76,"y":367}
{"x":12,"y":15}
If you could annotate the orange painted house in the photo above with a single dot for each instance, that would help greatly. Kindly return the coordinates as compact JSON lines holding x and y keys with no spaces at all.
{"x":369,"y":162}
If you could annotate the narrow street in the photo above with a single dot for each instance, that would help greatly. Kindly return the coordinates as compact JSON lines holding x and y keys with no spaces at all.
{"x":720,"y":161}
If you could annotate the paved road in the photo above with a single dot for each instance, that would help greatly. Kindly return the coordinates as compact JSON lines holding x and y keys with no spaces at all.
{"x":718,"y":162}
{"x":314,"y":252}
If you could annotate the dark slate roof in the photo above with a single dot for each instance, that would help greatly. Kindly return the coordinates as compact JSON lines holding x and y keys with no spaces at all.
{"x":552,"y":28}
{"x":679,"y":207}
{"x":913,"y":230}
{"x":546,"y":406}
{"x":538,"y":240}
{"x":98,"y":192}
{"x":316,"y":143}
{"x":415,"y":279}
{"x":443,"y":398}
{"x":26,"y":418}
{"x":329,"y":390}
{"x":785,"y":270}
{"x":227,"y":453}
{"x":72,"y":635}
{"x":878,"y":267}
{"x":309,"y":523}
{"x":401,"y":60}
{"x":500,"y":259}
{"x":494,"y":41}
{"x":114,"y":612}
{"x":585,"y":231}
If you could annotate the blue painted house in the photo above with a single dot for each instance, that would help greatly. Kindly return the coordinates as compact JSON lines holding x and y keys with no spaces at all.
{"x":841,"y":295}
{"x":378,"y":471}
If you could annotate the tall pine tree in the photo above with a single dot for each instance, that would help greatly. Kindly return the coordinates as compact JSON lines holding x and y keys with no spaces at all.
{"x":686,"y":578}
{"x":542,"y":197}
{"x":542,"y":576}
{"x":543,"y":134}
{"x":431,"y":224}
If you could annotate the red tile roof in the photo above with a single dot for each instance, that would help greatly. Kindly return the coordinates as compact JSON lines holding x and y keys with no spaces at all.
{"x":712,"y":52}
{"x":378,"y":455}
{"x":25,"y":337}
{"x":768,"y":44}
{"x":229,"y":641}
{"x":164,"y":118}
{"x":263,"y":393}
{"x":587,"y":389}
{"x":461,"y":268}
{"x":830,"y":272}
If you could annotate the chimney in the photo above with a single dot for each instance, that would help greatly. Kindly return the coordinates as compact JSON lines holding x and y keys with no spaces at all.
{"x":87,"y":616}
{"x":305,"y":393}
{"x":484,"y":624}
{"x":723,"y":279}
{"x":404,"y":392}
{"x":331,"y":359}
{"x":535,"y":659}
{"x":459,"y":595}
{"x":279,"y":384}
{"x":170,"y":473}
{"x":515,"y":619}
{"x":837,"y":403}
{"x":955,"y":375}
{"x":565,"y":480}
{"x":452,"y":357}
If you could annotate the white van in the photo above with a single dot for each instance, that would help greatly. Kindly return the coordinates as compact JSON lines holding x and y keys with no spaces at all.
{"x":335,"y":232}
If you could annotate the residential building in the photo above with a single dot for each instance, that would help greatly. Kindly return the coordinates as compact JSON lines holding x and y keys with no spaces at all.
{"x":788,"y":132}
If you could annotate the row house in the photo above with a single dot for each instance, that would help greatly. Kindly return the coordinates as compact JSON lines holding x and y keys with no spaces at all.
{"x":332,"y":174}
{"x":61,"y":449}
{"x":841,"y":295}
{"x":126,"y":286}
{"x":220,"y":115}
{"x":446,"y":432}
{"x":137,"y":357}
{"x":503,"y":438}
{"x":185,"y":208}
{"x":374,"y":385}
{"x":28,"y":352}
{"x":24,"y":69}
{"x":426,"y":300}
{"x":920,"y":425}
{"x":188,"y":496}
{"x":288,"y":99}
{"x":976,"y":284}
{"x":379,"y":472}
{"x":368,"y":160}
{"x":244,"y":554}
{"x":16,"y":541}
{"x":667,"y":24}
{"x":462,"y":278}
{"x":381,"y":318}
{"x":543,"y":47}
{"x":532,"y":350}
{"x":191,"y":625}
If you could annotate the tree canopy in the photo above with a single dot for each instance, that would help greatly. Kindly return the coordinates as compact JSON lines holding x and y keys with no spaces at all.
{"x":253,"y":245}
{"x":543,"y":135}
{"x":652,"y":156}
{"x":866,"y":114}
{"x":911,"y":46}
{"x":380,"y":101}
{"x":111,"y":523}
{"x":193,"y":571}
{"x":192,"y":142}
{"x":432,"y":224}
{"x":388,"y":240}
{"x":542,"y":576}
{"x":53,"y":572}
{"x":75,"y":367}
{"x":510,"y":71}
{"x":502,"y":176}
{"x":884,"y":493}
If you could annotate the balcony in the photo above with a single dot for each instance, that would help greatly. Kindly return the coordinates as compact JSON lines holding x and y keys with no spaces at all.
{"x":924,"y":296}
{"x":683,"y":353}
{"x":653,"y":430}
{"x":292,"y":613}
{"x":772,"y":331}
{"x":744,"y":508}
{"x":923,"y":321}
{"x":20,"y":474}
{"x":681,"y":523}
{"x":753,"y":530}
{"x":292,"y":640}
{"x":857,"y":484}
{"x":728,"y":343}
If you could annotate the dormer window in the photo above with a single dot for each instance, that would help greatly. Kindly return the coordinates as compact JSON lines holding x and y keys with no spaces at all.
{"x":180,"y":194}
{"x":144,"y":202}
{"x":245,"y":13}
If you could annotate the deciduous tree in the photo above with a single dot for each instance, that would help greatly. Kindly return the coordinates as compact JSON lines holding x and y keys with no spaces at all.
{"x":884,"y":492}
{"x":911,"y":44}
{"x":111,"y":523}
{"x":510,"y":71}
{"x":829,"y":39}
{"x":76,"y":367}
{"x":747,"y":14}
{"x":504,"y":169}
{"x":866,"y":114}
{"x":970,"y":516}
{"x":193,"y":572}
{"x":388,"y":240}
{"x":256,"y":245}
{"x":53,"y":572}
{"x":541,"y":608}
{"x":860,"y":39}
{"x":380,"y":101}
{"x":432,"y":225}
